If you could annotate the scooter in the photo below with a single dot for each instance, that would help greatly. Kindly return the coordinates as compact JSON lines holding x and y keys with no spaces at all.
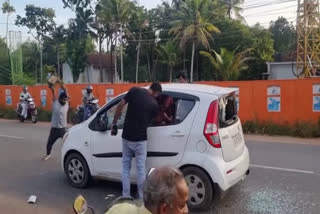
{"x":79,"y":115}
{"x":31,"y":111}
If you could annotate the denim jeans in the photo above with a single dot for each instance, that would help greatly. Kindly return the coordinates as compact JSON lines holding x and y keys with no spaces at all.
{"x":139,"y":151}
{"x":86,"y":111}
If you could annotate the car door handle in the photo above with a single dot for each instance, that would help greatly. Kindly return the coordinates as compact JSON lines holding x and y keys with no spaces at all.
{"x":177,"y":134}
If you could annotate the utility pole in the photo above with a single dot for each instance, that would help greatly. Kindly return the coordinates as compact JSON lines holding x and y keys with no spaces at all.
{"x":41,"y":70}
{"x":308,"y":38}
{"x":121,"y":52}
{"x":138,"y":56}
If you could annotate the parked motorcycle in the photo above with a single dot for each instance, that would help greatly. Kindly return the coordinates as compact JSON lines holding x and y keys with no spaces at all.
{"x":31,"y":111}
{"x":79,"y":115}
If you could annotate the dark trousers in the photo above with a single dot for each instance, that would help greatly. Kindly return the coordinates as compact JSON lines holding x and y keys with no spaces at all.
{"x":55,"y":134}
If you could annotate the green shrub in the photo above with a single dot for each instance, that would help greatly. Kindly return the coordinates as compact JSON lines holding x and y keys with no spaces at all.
{"x":10,"y":114}
{"x":305,"y":129}
{"x":300,"y":129}
{"x":44,"y":115}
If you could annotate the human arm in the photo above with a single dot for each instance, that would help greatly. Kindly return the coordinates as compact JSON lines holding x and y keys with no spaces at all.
{"x":118,"y":112}
{"x":53,"y":91}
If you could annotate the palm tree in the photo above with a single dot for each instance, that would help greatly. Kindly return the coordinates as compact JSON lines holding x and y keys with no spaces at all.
{"x":228,"y":64}
{"x":7,"y":9}
{"x":193,"y":26}
{"x":118,"y":12}
{"x":232,"y":7}
{"x":142,"y":22}
{"x":168,"y":55}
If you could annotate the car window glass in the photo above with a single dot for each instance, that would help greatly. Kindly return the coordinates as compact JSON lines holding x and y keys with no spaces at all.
{"x":228,"y":113}
{"x":184,"y":107}
{"x":111,"y":112}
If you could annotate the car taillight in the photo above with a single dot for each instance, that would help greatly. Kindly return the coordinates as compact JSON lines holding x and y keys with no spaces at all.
{"x":211,"y":127}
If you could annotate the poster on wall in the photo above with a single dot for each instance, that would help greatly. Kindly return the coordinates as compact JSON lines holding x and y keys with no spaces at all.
{"x":9,"y":100}
{"x":8,"y":97}
{"x":43,"y":95}
{"x":8,"y":92}
{"x":274,"y":104}
{"x":110,"y":92}
{"x":316,"y":89}
{"x":316,"y":103}
{"x":274,"y":91}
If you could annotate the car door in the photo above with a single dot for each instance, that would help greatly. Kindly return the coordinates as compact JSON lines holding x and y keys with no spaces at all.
{"x":107,"y":149}
{"x":166,"y":144}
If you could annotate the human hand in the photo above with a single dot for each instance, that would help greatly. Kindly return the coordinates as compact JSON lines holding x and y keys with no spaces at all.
{"x":114,"y":130}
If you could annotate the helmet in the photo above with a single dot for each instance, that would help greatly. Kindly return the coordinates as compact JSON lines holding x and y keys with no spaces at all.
{"x":89,"y":89}
{"x":25,"y":88}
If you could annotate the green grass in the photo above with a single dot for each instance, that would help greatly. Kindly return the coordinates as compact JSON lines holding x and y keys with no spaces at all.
{"x":304,"y":129}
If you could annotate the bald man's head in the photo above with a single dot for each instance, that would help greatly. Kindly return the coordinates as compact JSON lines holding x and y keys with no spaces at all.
{"x":165,"y":191}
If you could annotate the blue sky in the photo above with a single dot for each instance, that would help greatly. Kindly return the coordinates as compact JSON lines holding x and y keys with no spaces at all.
{"x":252,"y":15}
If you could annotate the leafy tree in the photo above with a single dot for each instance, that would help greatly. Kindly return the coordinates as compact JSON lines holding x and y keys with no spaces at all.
{"x":7,"y":8}
{"x":117,"y":12}
{"x":191,"y":26}
{"x":262,"y":52}
{"x":31,"y":59}
{"x":227,"y":64}
{"x":40,"y":20}
{"x":5,"y":72}
{"x":78,"y":35}
{"x":168,"y":55}
{"x":284,"y":36}
{"x":233,"y":8}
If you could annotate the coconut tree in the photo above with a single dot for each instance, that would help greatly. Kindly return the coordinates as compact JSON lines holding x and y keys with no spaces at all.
{"x":192,"y":25}
{"x":233,"y":8}
{"x":168,"y":55}
{"x":7,"y":9}
{"x":118,"y":12}
{"x":228,"y":64}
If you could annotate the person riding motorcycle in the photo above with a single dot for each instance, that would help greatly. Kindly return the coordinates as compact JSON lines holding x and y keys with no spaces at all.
{"x":24,"y":95}
{"x":88,"y":96}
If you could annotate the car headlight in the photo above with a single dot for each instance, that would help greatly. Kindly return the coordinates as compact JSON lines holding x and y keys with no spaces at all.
{"x":65,"y":136}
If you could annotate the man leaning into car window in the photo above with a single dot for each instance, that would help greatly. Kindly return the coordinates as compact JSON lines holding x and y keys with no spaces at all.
{"x":142,"y":108}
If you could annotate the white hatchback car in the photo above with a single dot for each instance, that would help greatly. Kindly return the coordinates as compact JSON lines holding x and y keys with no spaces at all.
{"x":205,"y":141}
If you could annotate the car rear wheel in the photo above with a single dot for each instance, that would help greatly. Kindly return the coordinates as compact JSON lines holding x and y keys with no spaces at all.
{"x":77,"y":170}
{"x":201,"y":191}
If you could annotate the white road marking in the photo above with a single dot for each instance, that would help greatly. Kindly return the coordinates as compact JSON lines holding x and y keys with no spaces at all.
{"x":282,"y":169}
{"x":8,"y":136}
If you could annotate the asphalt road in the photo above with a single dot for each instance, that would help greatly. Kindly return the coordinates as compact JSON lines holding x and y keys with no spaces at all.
{"x":284,"y":178}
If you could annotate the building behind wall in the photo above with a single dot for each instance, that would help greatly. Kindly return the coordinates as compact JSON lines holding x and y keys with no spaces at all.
{"x":97,"y":65}
{"x":282,"y":70}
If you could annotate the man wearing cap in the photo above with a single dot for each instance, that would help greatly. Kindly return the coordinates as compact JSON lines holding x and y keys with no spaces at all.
{"x":60,"y":109}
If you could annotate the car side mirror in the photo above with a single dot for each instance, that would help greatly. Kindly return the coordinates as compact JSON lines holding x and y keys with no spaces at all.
{"x":102,"y":122}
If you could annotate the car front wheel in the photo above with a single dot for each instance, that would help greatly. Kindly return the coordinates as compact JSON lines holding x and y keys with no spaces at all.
{"x":201,"y":191}
{"x":77,"y":170}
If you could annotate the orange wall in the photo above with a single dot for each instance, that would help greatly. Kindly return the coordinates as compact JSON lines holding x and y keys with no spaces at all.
{"x":296,"y":98}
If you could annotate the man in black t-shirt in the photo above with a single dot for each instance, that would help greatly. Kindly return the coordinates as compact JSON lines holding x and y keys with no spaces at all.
{"x":142,"y":108}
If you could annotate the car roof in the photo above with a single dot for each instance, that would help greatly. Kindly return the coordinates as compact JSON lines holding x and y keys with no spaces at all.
{"x":208,"y":89}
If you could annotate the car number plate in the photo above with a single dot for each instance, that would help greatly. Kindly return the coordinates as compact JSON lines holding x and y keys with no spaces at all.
{"x":237,"y":140}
